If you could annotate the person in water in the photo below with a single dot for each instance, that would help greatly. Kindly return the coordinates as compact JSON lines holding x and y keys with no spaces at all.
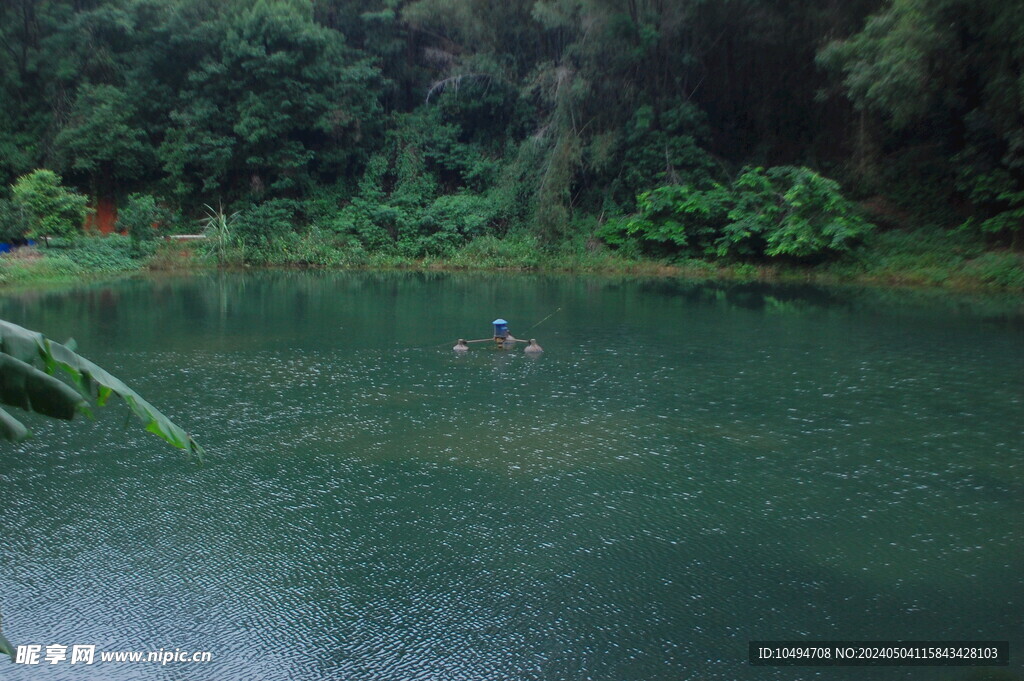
{"x":533,"y":348}
{"x":503,"y":337}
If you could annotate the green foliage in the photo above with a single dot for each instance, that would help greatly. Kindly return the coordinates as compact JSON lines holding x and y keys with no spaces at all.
{"x":1002,"y":269}
{"x":362,"y":220}
{"x":97,"y":254}
{"x":681,"y":217}
{"x":891,"y":65}
{"x":945,"y":76}
{"x":100,"y":140}
{"x":784,"y":211}
{"x":447,"y":224}
{"x":926,"y":256}
{"x":5,"y":646}
{"x":259,"y":224}
{"x":74,"y":258}
{"x":28,"y":362}
{"x":614,"y":232}
{"x":408,"y":129}
{"x":998,"y":196}
{"x":814,"y":217}
{"x":218,"y":227}
{"x":264,"y":90}
{"x":312,"y":248}
{"x":52,"y":209}
{"x":518,"y":251}
{"x":663,"y":152}
{"x":422,"y":195}
{"x":14,"y":222}
{"x":142,"y":218}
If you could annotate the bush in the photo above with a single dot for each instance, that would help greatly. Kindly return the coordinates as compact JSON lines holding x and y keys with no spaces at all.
{"x":449,"y":223}
{"x":358,"y":221}
{"x":112,"y":253}
{"x":682,"y":217}
{"x":439,"y":229}
{"x":260,"y":224}
{"x":782,"y":212}
{"x":615,"y":233}
{"x":315,"y":248}
{"x":51,"y":208}
{"x":1001,"y":268}
{"x":143,"y":219}
{"x":999,"y":204}
{"x":514,"y":251}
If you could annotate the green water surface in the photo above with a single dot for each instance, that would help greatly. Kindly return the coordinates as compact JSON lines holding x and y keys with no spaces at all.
{"x":686,"y":468}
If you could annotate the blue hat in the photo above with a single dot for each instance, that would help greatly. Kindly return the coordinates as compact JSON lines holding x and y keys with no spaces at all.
{"x":499,"y":321}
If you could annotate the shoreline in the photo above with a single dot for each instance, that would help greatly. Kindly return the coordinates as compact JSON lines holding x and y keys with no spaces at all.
{"x":610,"y":266}
{"x":895,"y":261}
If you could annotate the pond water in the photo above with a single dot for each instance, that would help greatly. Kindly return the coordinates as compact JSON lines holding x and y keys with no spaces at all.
{"x":686,"y":468}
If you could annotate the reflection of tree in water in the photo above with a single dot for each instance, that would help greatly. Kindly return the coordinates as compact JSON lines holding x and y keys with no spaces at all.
{"x":789,"y":298}
{"x":216,"y":303}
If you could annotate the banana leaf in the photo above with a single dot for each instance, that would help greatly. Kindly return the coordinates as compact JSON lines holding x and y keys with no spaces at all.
{"x":5,"y":646}
{"x":28,"y":362}
{"x":11,"y":428}
{"x":22,"y":385}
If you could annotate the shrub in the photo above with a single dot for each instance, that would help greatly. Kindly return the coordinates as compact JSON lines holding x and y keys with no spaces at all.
{"x":1001,"y":268}
{"x":262,"y":223}
{"x":514,"y":251}
{"x":357,"y":220}
{"x":780,"y":212}
{"x":112,"y":253}
{"x":682,"y":217}
{"x":51,"y":208}
{"x":142,"y":218}
{"x":450,"y":222}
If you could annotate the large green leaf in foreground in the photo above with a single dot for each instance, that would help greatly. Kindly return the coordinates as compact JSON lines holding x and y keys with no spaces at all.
{"x":5,"y":646}
{"x":28,"y":362}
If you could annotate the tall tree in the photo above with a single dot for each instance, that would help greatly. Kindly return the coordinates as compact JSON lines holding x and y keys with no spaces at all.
{"x":272,"y":101}
{"x":949,"y":75}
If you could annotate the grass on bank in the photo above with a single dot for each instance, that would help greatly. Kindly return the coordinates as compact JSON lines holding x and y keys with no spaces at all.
{"x":65,"y":259}
{"x":892,"y":258}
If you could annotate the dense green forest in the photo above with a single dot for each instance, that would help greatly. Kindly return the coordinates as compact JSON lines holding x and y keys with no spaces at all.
{"x":738,"y":130}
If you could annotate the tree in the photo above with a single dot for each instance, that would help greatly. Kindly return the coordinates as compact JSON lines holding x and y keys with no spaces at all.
{"x":946,"y":75}
{"x":101,"y":142}
{"x":52,"y":209}
{"x":269,"y":102}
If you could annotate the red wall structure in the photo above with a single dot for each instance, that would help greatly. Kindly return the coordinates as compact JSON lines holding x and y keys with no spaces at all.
{"x":105,"y":216}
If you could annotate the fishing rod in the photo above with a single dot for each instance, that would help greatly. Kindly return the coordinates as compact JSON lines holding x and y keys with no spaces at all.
{"x":544,"y":320}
